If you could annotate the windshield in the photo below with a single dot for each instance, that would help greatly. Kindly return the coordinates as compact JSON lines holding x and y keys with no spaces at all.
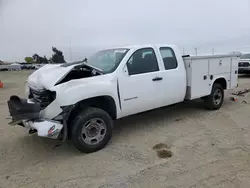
{"x":246,"y":56}
{"x":107,"y":60}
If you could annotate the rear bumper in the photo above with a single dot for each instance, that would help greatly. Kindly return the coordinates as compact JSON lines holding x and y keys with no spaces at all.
{"x":27,"y":114}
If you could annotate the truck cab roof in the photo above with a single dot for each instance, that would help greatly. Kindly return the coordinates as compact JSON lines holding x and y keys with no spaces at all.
{"x":145,"y":46}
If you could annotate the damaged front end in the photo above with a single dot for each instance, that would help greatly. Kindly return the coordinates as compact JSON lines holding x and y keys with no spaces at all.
{"x":27,"y":113}
{"x":42,"y":112}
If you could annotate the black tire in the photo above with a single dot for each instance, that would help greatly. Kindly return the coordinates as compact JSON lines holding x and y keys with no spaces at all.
{"x":80,"y":132}
{"x":214,"y":101}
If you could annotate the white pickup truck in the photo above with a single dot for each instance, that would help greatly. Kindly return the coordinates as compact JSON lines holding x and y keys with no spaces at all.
{"x":80,"y":100}
{"x":244,"y":64}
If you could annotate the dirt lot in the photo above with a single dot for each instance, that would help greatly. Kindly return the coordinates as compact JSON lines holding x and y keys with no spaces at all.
{"x":210,"y":149}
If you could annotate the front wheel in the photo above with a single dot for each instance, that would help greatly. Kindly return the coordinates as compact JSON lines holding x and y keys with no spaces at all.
{"x":215,"y":100}
{"x":91,"y":130}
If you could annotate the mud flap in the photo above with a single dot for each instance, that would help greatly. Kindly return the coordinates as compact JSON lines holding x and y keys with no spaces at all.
{"x":66,"y":114}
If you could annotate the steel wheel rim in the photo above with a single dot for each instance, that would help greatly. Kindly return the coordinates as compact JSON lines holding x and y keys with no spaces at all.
{"x":217,"y":96}
{"x":93,"y":131}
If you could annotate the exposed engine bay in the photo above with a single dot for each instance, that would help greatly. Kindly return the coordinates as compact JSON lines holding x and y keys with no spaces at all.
{"x":44,"y":97}
{"x":79,"y":72}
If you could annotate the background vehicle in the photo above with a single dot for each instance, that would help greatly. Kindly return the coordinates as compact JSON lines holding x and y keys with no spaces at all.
{"x":80,"y":100}
{"x":14,"y":67}
{"x":244,"y":64}
{"x":3,"y":68}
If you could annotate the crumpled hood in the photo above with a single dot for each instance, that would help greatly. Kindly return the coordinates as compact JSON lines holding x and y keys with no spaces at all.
{"x":47,"y":76}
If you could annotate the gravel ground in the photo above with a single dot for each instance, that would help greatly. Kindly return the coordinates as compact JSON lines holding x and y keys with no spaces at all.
{"x":210,"y":149}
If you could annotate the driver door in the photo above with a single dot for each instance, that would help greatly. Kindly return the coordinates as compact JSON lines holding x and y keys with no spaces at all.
{"x":137,"y":83}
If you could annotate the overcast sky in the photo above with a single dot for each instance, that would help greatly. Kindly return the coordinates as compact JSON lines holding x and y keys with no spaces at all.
{"x":34,"y":26}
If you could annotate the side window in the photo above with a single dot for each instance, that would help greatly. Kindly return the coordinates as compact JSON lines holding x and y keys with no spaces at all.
{"x":169,"y":58}
{"x":142,"y":61}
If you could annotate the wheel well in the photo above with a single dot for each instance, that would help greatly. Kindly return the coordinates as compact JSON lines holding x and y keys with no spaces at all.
{"x":105,"y":103}
{"x":222,"y":82}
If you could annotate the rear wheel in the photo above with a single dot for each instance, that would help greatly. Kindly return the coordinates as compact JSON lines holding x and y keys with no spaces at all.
{"x":91,"y":130}
{"x":215,"y":100}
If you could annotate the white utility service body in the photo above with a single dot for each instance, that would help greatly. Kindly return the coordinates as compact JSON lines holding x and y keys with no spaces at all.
{"x":202,"y":71}
{"x":121,"y":82}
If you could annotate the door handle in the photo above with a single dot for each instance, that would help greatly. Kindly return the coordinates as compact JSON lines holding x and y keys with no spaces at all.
{"x":157,"y":78}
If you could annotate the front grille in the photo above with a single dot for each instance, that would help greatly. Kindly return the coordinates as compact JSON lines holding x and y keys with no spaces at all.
{"x":44,"y":97}
{"x":244,"y":64}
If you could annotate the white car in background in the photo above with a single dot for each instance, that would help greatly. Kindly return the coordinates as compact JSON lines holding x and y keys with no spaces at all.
{"x":14,"y":67}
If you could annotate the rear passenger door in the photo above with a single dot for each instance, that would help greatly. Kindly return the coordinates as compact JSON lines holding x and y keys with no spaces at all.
{"x":173,"y":86}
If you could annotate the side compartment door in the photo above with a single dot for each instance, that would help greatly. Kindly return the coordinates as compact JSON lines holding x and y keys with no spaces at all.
{"x":136,"y":83}
{"x":234,"y":72}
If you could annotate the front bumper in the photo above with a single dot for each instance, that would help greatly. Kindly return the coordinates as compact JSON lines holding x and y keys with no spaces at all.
{"x":244,"y":69}
{"x":27,"y":114}
{"x":45,"y":128}
{"x":22,"y":109}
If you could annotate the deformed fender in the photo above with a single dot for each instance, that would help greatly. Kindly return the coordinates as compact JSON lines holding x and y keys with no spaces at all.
{"x":75,"y":94}
{"x":72,"y":92}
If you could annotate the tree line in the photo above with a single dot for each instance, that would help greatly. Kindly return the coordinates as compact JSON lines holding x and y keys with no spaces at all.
{"x":57,"y":57}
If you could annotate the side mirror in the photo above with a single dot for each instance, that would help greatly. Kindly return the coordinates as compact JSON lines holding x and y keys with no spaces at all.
{"x":125,"y":70}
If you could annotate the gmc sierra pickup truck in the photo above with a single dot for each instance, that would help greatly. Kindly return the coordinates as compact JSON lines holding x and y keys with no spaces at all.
{"x":80,"y":100}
